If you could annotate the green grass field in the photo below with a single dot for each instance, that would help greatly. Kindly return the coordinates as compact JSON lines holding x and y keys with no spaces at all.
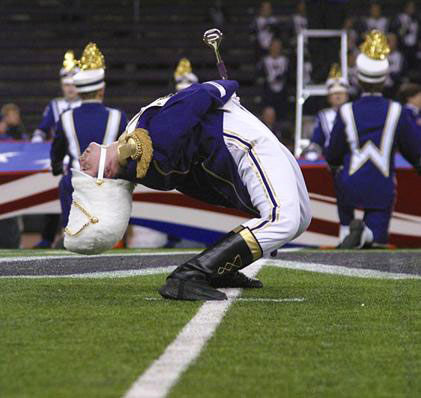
{"x":350,"y":337}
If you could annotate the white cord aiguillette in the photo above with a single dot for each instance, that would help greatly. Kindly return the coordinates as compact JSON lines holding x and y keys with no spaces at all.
{"x":101,"y":168}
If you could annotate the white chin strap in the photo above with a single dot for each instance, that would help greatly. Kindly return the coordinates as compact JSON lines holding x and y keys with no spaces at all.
{"x":101,"y":168}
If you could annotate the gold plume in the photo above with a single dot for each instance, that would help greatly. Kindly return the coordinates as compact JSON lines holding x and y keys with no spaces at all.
{"x":183,"y":67}
{"x":69,"y":61}
{"x":91,"y":58}
{"x":375,"y":45}
{"x":335,"y":72}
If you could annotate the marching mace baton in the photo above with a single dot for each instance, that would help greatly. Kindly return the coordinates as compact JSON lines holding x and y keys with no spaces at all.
{"x":213,"y":38}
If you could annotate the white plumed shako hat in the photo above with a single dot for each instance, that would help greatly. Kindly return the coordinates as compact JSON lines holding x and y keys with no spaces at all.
{"x":92,"y":70}
{"x":100,"y":211}
{"x":372,"y":63}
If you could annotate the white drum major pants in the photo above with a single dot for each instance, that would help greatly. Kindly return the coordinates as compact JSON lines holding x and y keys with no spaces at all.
{"x":272,"y":176}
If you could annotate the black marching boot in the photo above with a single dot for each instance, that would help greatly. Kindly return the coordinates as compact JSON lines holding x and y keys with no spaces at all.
{"x":217,"y":266}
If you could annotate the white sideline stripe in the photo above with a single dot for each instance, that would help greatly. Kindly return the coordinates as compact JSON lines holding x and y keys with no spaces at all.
{"x":164,"y":372}
{"x":338,"y":270}
{"x":261,"y":299}
{"x":102,"y":256}
{"x":97,"y":275}
{"x":287,"y":264}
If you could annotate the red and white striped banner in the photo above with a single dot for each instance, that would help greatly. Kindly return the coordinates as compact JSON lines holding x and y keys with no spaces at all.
{"x":37,"y":193}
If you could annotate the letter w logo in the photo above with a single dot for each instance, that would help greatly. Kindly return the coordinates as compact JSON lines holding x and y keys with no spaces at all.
{"x":379,"y":156}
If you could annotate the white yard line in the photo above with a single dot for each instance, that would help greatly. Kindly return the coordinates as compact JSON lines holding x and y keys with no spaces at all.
{"x":106,"y":274}
{"x":101,"y":256}
{"x":162,"y":374}
{"x":338,"y":270}
{"x":255,"y":299}
{"x":280,"y":300}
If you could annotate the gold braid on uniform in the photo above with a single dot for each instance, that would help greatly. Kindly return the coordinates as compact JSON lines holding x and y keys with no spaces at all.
{"x":136,"y":145}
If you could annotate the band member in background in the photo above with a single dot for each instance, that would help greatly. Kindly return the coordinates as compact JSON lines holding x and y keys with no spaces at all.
{"x":362,"y":146}
{"x":337,"y":94}
{"x":410,"y":97}
{"x":69,"y":100}
{"x":90,"y":122}
{"x":183,"y":75}
{"x":46,"y":130}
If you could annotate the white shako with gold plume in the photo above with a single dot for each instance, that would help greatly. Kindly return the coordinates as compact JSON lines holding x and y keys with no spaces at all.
{"x":92,"y":70}
{"x":372,"y":63}
{"x":69,"y":68}
{"x":335,"y":82}
{"x":183,"y":75}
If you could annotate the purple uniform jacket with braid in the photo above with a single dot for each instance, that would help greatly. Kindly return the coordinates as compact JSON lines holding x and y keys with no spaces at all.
{"x":366,"y":178}
{"x":189,"y":152}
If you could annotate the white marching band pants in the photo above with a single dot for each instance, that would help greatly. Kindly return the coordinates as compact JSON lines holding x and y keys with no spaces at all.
{"x":272,"y":176}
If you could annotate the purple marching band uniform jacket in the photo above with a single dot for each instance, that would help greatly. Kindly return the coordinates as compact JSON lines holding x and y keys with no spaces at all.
{"x":51,"y":116}
{"x":189,"y":152}
{"x":324,"y":123}
{"x":363,"y":141}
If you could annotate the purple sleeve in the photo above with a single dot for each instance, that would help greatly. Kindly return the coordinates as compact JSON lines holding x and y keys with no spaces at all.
{"x":123,"y":124}
{"x":318,"y":136}
{"x":221,"y":90}
{"x":47,"y":122}
{"x":338,"y":146}
{"x":58,"y":150}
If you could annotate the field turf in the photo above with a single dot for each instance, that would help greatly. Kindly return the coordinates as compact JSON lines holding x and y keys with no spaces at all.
{"x":350,"y":337}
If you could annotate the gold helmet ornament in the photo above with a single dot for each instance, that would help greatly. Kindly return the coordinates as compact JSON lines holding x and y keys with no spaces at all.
{"x":92,"y":70}
{"x":372,"y":62}
{"x":69,"y":68}
{"x":183,"y":75}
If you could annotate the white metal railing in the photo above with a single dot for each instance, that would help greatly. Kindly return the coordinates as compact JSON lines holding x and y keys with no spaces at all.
{"x":304,"y":92}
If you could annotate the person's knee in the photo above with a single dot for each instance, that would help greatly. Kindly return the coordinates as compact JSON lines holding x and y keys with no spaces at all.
{"x":305,"y":218}
{"x":290,"y":227}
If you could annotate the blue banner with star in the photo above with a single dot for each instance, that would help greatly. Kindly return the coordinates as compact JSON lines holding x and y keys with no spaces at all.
{"x":24,"y":156}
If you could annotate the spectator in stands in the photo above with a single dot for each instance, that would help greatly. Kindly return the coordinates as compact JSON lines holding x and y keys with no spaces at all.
{"x":354,"y":87}
{"x":268,"y":117}
{"x":264,"y":26}
{"x":406,"y":27}
{"x":324,"y":14}
{"x":299,"y":19}
{"x":376,"y":20}
{"x":57,"y":106}
{"x":274,"y":69}
{"x":352,"y":33}
{"x":217,"y":14}
{"x":297,"y":23}
{"x":410,"y":98}
{"x":337,"y":94}
{"x":11,"y":126}
{"x":396,"y":64}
